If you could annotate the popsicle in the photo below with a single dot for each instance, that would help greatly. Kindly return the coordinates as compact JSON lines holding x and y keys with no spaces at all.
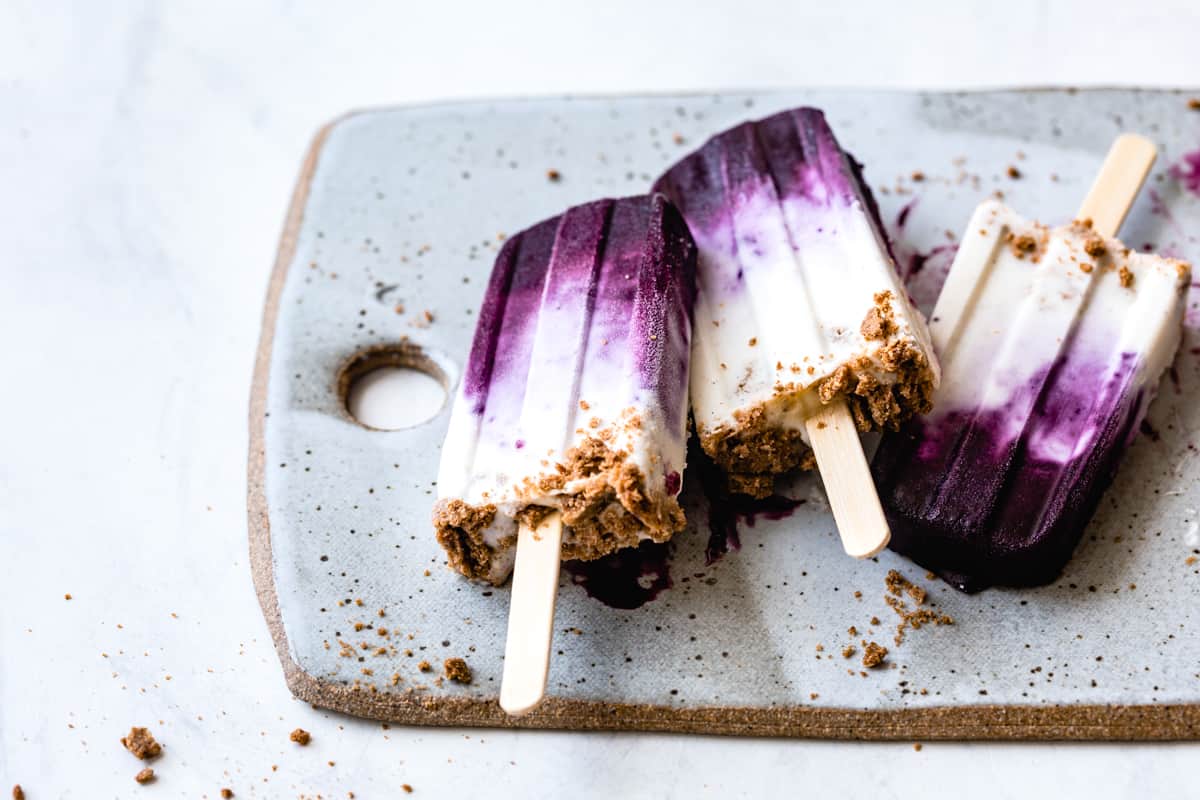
{"x":1052,"y":342}
{"x":804,"y":335}
{"x":568,"y":435}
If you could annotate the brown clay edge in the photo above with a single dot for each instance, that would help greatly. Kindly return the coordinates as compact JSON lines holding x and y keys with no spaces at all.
{"x":986,"y":722}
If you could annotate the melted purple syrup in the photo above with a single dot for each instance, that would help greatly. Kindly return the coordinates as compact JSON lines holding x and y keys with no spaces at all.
{"x":725,"y":509}
{"x":628,"y":578}
{"x":1187,"y":172}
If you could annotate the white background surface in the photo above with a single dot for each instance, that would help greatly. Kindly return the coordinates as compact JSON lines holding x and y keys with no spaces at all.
{"x":147,"y":152}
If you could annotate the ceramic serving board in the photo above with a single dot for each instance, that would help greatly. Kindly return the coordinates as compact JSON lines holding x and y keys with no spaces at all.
{"x":400,"y":212}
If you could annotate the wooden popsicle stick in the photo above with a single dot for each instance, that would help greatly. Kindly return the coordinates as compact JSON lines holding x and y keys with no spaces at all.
{"x":1117,"y":185}
{"x":531,"y":615}
{"x":847,"y":478}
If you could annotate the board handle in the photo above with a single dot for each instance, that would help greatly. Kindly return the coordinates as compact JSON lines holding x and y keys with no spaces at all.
{"x":847,"y":478}
{"x":1117,"y":185}
{"x":531,"y":615}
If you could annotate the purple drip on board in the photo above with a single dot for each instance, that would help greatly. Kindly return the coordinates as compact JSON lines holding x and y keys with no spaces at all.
{"x":725,"y":509}
{"x":626,"y":579}
{"x":1187,"y":171}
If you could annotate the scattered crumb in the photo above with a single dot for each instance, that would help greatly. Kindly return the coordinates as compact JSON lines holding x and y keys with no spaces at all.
{"x":1126,"y":276}
{"x":227,"y":793}
{"x":145,"y":776}
{"x":1094,"y":247}
{"x":67,"y":596}
{"x":301,"y":737}
{"x":141,"y":743}
{"x":1194,"y":104}
{"x":853,"y":631}
{"x":457,"y":670}
{"x":898,"y":584}
{"x":1190,"y":560}
{"x":858,"y":595}
{"x":1013,"y":172}
{"x":424,"y":666}
{"x":407,"y":789}
{"x":813,"y":696}
{"x":874,"y":620}
{"x":553,"y":175}
{"x":18,"y":793}
{"x":918,"y":176}
{"x":1022,"y":245}
{"x":917,"y":746}
{"x":873,"y":655}
{"x":848,"y":651}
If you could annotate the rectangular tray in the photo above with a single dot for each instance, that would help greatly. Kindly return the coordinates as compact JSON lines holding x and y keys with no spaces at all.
{"x":407,"y":206}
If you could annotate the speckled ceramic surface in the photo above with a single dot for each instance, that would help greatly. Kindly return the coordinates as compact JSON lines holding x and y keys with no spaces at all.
{"x":405,"y":209}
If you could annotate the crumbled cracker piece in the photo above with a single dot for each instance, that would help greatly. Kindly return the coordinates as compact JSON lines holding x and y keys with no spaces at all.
{"x":1194,"y":103}
{"x":848,"y":651}
{"x":1126,"y":276}
{"x":301,"y":737}
{"x":553,"y":175}
{"x":425,"y":666}
{"x":226,"y":793}
{"x":141,"y":743}
{"x":1013,"y":172}
{"x":145,"y":776}
{"x":1095,"y":247}
{"x":456,"y":669}
{"x":18,"y":793}
{"x":917,"y":746}
{"x":407,"y":789}
{"x":873,"y":655}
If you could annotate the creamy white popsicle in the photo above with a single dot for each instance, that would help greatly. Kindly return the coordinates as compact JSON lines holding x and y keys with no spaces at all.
{"x":798,"y":304}
{"x":1052,"y":342}
{"x":574,"y":397}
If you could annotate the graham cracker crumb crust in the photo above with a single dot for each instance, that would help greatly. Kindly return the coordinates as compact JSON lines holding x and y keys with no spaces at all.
{"x":611,"y":511}
{"x":754,"y":450}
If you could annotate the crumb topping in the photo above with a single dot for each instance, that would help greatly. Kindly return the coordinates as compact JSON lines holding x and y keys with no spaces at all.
{"x":301,"y":737}
{"x":141,"y":743}
{"x":456,"y":669}
{"x":873,"y":655}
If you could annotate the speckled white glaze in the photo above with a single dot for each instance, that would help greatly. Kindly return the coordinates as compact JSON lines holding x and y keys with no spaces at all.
{"x":406,"y":206}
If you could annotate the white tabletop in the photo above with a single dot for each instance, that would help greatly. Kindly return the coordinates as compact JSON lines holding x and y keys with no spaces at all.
{"x":146,"y":156}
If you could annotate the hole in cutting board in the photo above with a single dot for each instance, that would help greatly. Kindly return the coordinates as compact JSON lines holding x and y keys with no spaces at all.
{"x":392,"y":387}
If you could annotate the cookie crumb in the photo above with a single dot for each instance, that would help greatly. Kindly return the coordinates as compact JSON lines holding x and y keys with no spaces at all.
{"x":553,"y":175}
{"x":67,"y":596}
{"x":848,"y":651}
{"x":873,"y":655}
{"x":1126,"y":277}
{"x":917,"y":746}
{"x":301,"y":737}
{"x":141,"y":743}
{"x":18,"y":793}
{"x":918,"y":176}
{"x":1194,"y":104}
{"x":407,"y":789}
{"x":424,"y":666}
{"x":145,"y":776}
{"x":227,"y":793}
{"x":1013,"y":172}
{"x":456,"y":669}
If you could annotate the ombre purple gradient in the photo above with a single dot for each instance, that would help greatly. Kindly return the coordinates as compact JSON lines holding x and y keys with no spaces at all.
{"x":792,"y":155}
{"x":634,"y":260}
{"x":983,"y":500}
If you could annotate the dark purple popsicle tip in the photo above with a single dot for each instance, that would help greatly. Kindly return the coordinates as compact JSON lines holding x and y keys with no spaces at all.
{"x":793,"y":154}
{"x":627,"y":266}
{"x":982,"y":507}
